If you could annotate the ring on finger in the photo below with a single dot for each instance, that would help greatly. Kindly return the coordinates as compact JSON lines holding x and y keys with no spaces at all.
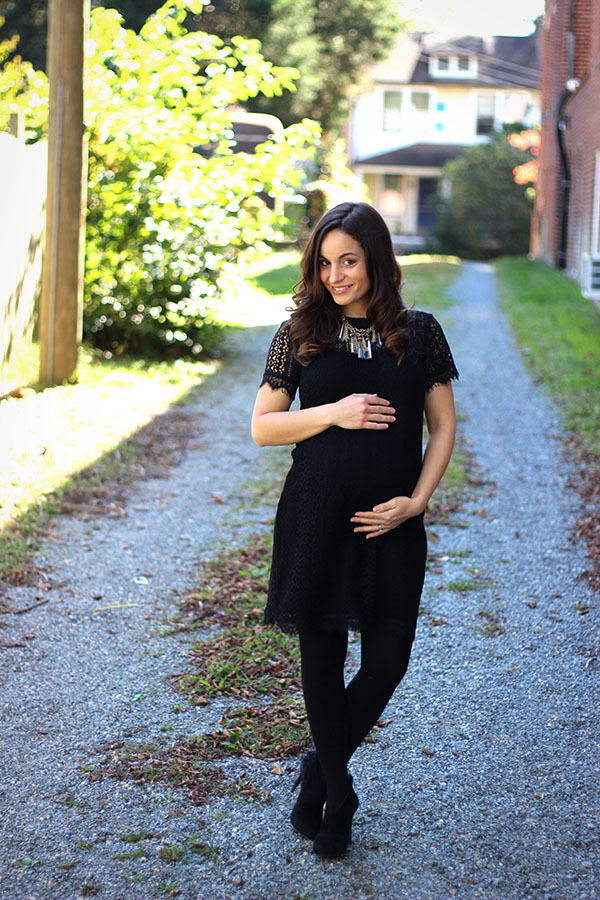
{"x":379,"y":528}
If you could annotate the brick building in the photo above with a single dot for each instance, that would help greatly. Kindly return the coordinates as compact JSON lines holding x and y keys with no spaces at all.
{"x":566,"y":227}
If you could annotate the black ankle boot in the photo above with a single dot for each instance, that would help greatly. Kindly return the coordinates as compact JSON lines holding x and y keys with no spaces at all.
{"x":335,"y":833}
{"x":307,"y":813}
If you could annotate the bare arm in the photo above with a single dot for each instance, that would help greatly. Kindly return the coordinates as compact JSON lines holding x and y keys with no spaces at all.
{"x":441,"y":425}
{"x":274,"y":423}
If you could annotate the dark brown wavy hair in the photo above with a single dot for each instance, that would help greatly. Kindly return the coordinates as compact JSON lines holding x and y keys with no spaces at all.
{"x":316,"y":317}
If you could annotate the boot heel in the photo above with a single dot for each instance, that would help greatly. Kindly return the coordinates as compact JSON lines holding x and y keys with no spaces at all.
{"x":307,"y":814}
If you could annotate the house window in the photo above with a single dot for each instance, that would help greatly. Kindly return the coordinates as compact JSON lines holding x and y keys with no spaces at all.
{"x":443,"y":63}
{"x":392,"y":110}
{"x":486,"y":113}
{"x":463,"y":63}
{"x":419,"y":101}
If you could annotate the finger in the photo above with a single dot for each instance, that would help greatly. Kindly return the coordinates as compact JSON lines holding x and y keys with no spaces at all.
{"x":382,"y":412}
{"x":370,"y":530}
{"x":378,"y":403}
{"x":383,"y":507}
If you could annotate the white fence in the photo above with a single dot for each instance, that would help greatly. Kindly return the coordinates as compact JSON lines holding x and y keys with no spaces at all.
{"x":22,"y":202}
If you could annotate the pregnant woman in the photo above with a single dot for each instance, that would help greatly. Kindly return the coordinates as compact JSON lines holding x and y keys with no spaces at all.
{"x":349,"y":545}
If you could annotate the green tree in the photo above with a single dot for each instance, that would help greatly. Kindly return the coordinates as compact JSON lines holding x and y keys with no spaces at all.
{"x":27,"y":22}
{"x":486,"y":214}
{"x":166,"y":223}
{"x":330,"y":42}
{"x":21,"y":87}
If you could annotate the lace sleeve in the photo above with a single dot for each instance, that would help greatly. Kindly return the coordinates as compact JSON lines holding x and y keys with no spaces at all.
{"x":282,"y":369}
{"x":439,"y":363}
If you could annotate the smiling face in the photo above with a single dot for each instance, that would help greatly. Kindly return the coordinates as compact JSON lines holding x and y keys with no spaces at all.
{"x":343,"y":271}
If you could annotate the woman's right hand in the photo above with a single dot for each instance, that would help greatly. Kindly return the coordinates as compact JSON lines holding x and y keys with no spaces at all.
{"x":363,"y":411}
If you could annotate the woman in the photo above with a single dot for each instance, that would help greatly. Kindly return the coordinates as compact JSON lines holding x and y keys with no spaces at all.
{"x":349,"y":546}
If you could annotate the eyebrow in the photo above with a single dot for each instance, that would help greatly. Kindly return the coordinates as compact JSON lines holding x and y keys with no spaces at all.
{"x":341,"y":256}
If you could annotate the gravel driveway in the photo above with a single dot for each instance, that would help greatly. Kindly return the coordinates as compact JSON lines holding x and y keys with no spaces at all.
{"x":485,"y":783}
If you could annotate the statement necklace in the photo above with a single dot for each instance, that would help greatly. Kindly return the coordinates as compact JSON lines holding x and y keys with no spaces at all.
{"x":359,"y":340}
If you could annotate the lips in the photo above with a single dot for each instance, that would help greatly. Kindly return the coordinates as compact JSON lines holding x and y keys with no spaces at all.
{"x":340,"y":290}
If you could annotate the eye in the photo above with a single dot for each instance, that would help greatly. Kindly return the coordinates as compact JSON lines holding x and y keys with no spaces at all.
{"x":350,"y":262}
{"x":323,"y":262}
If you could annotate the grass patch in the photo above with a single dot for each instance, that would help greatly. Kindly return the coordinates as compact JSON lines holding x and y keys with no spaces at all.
{"x":245,"y":660}
{"x":426,"y":280}
{"x":243,"y":663}
{"x":559,"y":333}
{"x":262,"y":732}
{"x":184,"y":765}
{"x":74,"y":447}
{"x":270,"y":285}
{"x":263,"y":298}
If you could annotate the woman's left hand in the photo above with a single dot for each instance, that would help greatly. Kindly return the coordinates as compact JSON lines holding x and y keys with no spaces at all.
{"x":386,"y":516}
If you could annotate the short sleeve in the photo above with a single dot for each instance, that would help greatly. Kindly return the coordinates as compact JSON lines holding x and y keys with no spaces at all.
{"x":282,"y":369}
{"x":439,"y":363}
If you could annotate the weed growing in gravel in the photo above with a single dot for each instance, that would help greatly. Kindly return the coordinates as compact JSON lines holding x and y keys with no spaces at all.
{"x":264,"y":732}
{"x":167,"y":889}
{"x":461,"y":585}
{"x":492,"y":625}
{"x":183,"y":765}
{"x":172,"y":853}
{"x":26,"y":862}
{"x":134,"y":837}
{"x":198,"y":846}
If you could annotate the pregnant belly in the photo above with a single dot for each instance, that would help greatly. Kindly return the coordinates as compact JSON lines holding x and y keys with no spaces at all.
{"x":361,"y":468}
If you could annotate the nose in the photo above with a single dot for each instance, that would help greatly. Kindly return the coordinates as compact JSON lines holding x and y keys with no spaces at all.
{"x":336,"y":274}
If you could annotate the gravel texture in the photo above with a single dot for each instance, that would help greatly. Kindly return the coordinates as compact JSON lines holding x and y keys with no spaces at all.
{"x":484,"y":786}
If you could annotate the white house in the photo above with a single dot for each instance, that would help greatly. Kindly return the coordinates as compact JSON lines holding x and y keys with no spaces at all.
{"x":424,"y":105}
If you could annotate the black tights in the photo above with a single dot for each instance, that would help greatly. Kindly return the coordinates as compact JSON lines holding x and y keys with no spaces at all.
{"x":340,"y":717}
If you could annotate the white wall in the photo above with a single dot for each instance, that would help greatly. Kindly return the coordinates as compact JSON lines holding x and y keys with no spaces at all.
{"x":22,"y":201}
{"x":451,"y":119}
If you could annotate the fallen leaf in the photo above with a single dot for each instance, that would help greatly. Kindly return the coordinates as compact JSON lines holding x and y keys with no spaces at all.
{"x":238,"y":881}
{"x":218,"y":498}
{"x":276,"y":770}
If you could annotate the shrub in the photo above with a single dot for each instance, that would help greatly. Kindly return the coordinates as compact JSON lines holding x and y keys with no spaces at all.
{"x":171,"y":205}
{"x":487,"y":214}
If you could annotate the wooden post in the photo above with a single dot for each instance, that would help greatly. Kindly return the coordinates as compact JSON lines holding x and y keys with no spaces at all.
{"x":62,"y":272}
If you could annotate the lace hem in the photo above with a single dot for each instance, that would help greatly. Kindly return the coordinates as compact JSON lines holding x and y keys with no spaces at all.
{"x":442,"y":378}
{"x":276,"y":382}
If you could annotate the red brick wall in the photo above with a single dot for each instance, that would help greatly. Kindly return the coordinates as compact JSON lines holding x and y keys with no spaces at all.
{"x":581,"y":137}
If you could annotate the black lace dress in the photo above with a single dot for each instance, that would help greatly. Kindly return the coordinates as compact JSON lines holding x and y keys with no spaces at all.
{"x":323,"y":575}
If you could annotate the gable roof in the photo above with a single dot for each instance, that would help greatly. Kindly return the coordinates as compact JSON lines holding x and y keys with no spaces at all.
{"x":503,"y":60}
{"x":427,"y":155}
